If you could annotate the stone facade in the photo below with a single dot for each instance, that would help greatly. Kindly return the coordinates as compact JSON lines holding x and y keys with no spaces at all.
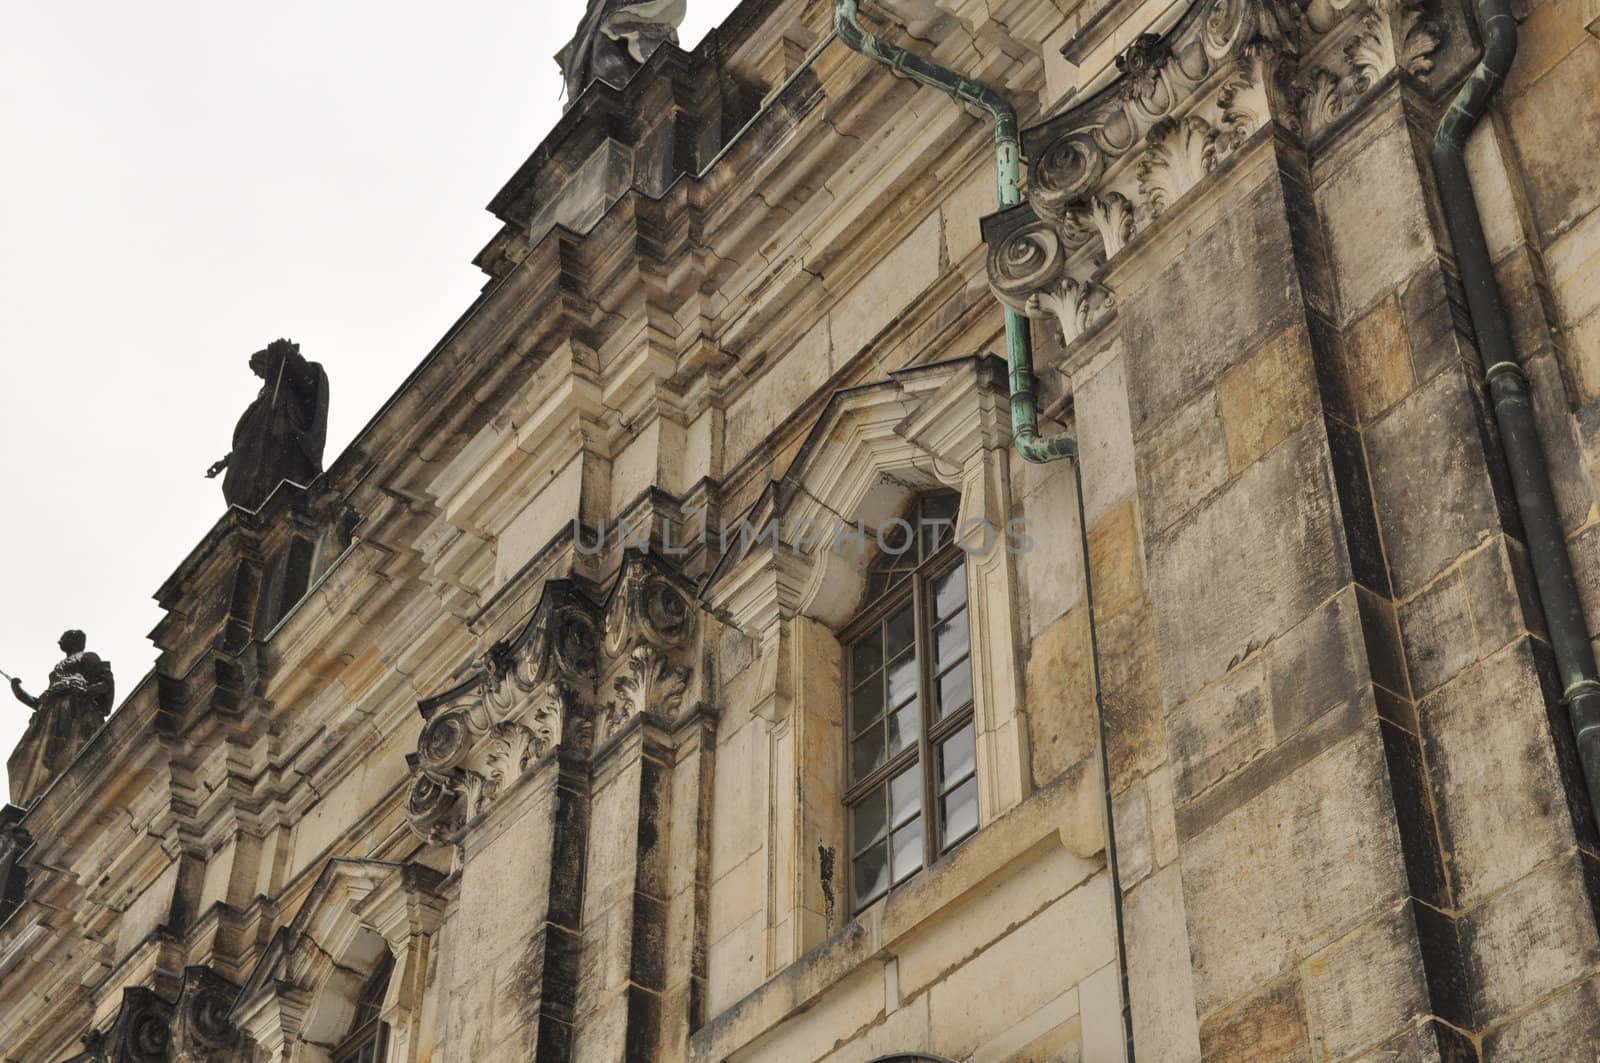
{"x":495,"y":736}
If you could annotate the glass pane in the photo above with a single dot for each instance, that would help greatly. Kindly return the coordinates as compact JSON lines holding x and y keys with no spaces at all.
{"x":904,"y":726}
{"x":897,"y":539}
{"x":956,"y":758}
{"x":955,"y":688}
{"x":907,"y":850}
{"x":869,"y":819}
{"x":950,"y":591}
{"x":960,"y":813}
{"x":901,"y":632}
{"x":866,"y":752}
{"x":950,"y":640}
{"x":877,"y":583}
{"x":870,"y":872}
{"x":942,"y":505}
{"x":866,"y":704}
{"x":936,"y":531}
{"x":902,"y":679}
{"x":905,"y":796}
{"x":866,"y":656}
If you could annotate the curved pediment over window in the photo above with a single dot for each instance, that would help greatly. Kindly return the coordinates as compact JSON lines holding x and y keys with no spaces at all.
{"x":361,"y":919}
{"x":873,"y":449}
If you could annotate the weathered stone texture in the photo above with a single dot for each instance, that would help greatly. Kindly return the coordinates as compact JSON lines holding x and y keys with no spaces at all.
{"x":1275,"y":881}
{"x":1377,"y":224}
{"x":1226,"y":294}
{"x":1434,"y":502}
{"x":1265,"y":551}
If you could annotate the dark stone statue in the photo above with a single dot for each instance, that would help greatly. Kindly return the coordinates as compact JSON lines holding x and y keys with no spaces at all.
{"x":282,"y":433}
{"x":71,"y":709}
{"x":614,"y":39}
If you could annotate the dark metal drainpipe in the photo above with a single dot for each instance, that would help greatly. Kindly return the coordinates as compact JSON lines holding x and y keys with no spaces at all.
{"x":1508,"y":390}
{"x":1024,"y":389}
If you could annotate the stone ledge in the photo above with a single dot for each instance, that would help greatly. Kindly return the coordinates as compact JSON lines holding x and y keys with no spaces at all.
{"x":1070,"y":809}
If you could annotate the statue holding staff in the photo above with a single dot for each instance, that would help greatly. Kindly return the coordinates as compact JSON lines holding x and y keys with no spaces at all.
{"x":65,"y":715}
{"x":281,"y":434}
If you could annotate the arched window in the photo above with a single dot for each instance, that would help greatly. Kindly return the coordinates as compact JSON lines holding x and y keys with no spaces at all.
{"x":368,"y":1040}
{"x":911,"y":791}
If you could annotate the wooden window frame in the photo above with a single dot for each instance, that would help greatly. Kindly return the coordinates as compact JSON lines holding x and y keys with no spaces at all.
{"x":372,"y":1031}
{"x":916,"y":588}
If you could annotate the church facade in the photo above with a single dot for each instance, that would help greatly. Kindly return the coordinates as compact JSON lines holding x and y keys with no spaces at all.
{"x":815,"y":607}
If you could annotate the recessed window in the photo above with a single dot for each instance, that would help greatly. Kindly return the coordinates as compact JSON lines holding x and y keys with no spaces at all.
{"x":912,"y":790}
{"x":368,"y":1041}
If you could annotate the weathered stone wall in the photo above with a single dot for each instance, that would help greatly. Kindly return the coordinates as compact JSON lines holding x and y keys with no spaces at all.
{"x":1349,"y":823}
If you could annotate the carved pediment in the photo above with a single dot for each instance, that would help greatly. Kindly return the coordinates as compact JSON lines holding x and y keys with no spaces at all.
{"x":1182,"y":102}
{"x":576,"y":672}
{"x":357,"y":910}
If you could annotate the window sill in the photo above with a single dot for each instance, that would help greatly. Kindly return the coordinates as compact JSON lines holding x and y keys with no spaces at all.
{"x":1067,"y":812}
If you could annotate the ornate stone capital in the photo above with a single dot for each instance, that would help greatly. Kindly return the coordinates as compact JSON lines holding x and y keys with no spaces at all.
{"x":576,"y":673}
{"x":1181,"y":103}
{"x":202,"y":1029}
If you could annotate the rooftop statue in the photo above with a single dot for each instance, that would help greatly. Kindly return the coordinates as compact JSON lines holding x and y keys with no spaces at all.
{"x":282,"y":433}
{"x":614,"y":39}
{"x":70,"y":710}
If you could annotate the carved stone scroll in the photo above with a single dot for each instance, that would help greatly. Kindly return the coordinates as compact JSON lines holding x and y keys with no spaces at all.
{"x":576,"y":673}
{"x":1183,"y":102}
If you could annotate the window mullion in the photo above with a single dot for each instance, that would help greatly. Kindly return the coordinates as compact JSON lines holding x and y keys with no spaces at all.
{"x":923,"y":613}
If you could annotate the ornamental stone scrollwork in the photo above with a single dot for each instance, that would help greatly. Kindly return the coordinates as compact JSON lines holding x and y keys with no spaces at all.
{"x":202,"y":1031}
{"x":516,"y":706}
{"x":140,"y":1033}
{"x":1181,"y":103}
{"x":575,"y":675}
{"x":648,"y":623}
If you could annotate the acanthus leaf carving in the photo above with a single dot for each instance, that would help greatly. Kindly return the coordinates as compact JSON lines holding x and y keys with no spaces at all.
{"x":1181,"y":153}
{"x":1182,"y":102}
{"x":1075,"y":304}
{"x":537,"y":692}
{"x":650,"y":684}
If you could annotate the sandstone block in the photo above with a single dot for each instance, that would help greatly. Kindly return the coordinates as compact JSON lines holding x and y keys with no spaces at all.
{"x":1430,"y":482}
{"x":1105,"y":436}
{"x":1365,"y":987}
{"x":1500,"y":797}
{"x":1548,"y":139}
{"x":1377,"y":357}
{"x":1294,"y":868}
{"x":1378,"y":229}
{"x":1230,"y":290}
{"x":1255,"y":558}
{"x":1136,"y":738}
{"x":1159,"y":980}
{"x":1267,"y":1026}
{"x":1531,"y":939}
{"x":1181,"y":462}
{"x":1266,"y":397}
{"x":1060,"y":692}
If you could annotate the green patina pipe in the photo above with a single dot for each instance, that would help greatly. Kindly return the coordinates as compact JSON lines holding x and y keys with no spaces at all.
{"x":1024,"y":396}
{"x":1508,"y":390}
{"x":1008,"y":172}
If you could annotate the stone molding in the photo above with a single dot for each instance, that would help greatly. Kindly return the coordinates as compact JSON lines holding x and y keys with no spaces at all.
{"x":301,"y":995}
{"x":575,"y":674}
{"x":1182,"y":103}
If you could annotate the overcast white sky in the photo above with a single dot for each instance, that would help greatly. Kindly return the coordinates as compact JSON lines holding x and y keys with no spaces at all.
{"x":185,"y":181}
